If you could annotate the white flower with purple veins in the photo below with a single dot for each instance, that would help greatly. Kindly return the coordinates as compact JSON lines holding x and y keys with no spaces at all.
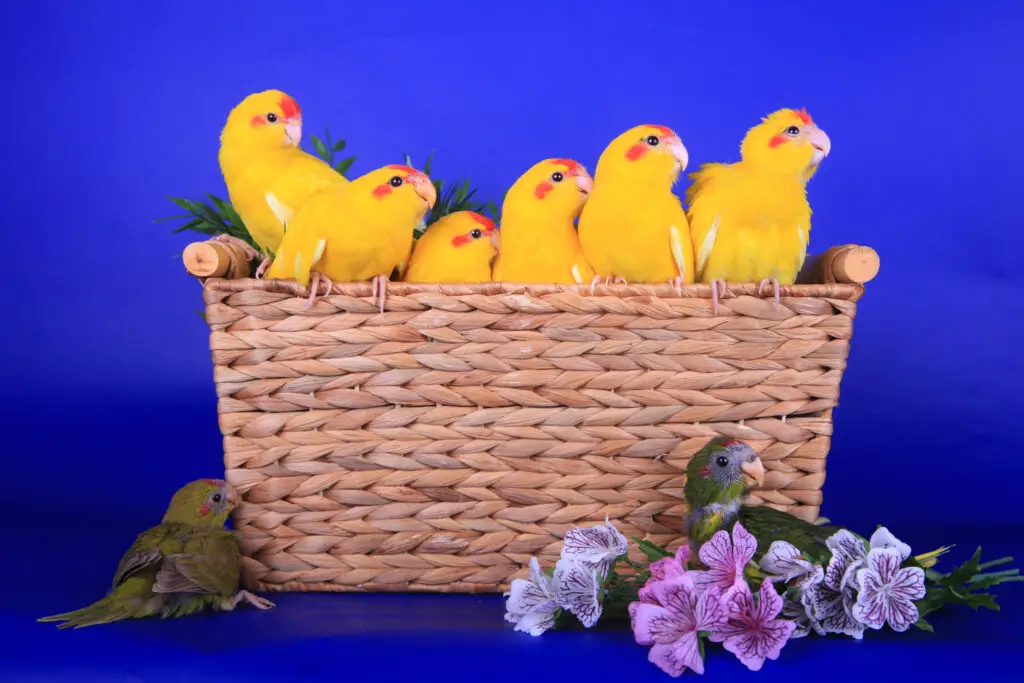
{"x":784,"y":562}
{"x":801,"y":613}
{"x":579,"y":590}
{"x":596,"y":546}
{"x":532,"y":603}
{"x":887,"y":591}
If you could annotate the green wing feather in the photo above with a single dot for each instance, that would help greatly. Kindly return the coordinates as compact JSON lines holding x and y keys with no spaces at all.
{"x":768,"y":524}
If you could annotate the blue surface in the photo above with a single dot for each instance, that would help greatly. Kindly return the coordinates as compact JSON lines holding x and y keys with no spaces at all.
{"x":109,"y":403}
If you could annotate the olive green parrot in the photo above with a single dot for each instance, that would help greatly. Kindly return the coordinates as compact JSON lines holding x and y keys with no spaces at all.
{"x":717,"y":479}
{"x":187,"y":563}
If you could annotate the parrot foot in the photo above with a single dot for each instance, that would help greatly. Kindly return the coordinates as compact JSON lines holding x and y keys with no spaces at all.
{"x":677,"y":283}
{"x":775,"y":283}
{"x":245,"y":596}
{"x":264,"y":264}
{"x":380,"y":285}
{"x":315,"y":280}
{"x":607,"y":279}
{"x":719,"y":290}
{"x":250,"y":252}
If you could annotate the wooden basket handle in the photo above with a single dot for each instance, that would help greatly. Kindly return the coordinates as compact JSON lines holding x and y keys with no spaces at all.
{"x":848,"y":263}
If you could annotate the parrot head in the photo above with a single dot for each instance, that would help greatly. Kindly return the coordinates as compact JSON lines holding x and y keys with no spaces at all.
{"x":470,"y":237}
{"x":264,"y":121}
{"x":722,"y":472}
{"x":553,"y":185}
{"x":204,"y":502}
{"x":787,"y":141}
{"x":405,"y":190}
{"x":648,"y":154}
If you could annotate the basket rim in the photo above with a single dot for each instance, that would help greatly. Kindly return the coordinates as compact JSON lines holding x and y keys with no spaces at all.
{"x":841,"y":291}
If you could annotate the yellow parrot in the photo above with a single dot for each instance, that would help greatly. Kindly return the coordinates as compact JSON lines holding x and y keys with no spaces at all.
{"x":457,"y":248}
{"x":267,"y":174}
{"x":633,"y":229}
{"x":750,"y":220}
{"x":360,"y":231}
{"x":538,"y":238}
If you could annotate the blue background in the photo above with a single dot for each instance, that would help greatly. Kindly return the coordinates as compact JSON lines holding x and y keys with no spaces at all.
{"x":109,"y":403}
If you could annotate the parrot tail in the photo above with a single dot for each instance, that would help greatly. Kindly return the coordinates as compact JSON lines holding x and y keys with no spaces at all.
{"x":110,"y":608}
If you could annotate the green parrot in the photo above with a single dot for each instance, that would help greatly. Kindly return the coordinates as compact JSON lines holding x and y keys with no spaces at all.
{"x":183,"y":565}
{"x":717,"y":479}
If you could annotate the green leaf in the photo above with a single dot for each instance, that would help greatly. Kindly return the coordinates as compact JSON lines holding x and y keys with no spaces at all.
{"x":338,"y":146}
{"x":200,"y":314}
{"x":924,"y":625}
{"x":652,"y":551}
{"x":173,"y":218}
{"x":191,"y":225}
{"x":429,"y":163}
{"x":344,"y":165}
{"x":320,"y":147}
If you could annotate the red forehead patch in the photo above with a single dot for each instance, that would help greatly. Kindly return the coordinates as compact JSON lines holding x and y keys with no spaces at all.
{"x":732,"y":442}
{"x":289,"y":107}
{"x":211,"y":482}
{"x":482,"y":220}
{"x":400,"y":167}
{"x":803,"y":116}
{"x":569,"y":164}
{"x":668,"y":132}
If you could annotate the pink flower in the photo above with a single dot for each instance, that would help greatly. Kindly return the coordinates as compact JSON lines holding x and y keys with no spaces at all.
{"x":752,"y":631}
{"x":725,"y":559}
{"x":671,"y":567}
{"x":887,"y":592}
{"x":671,"y":625}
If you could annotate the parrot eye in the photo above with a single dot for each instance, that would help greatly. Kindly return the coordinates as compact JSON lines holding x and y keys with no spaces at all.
{"x":396,"y":181}
{"x":557,"y":176}
{"x":272,"y":117}
{"x":721,"y":461}
{"x":653,"y":140}
{"x":792,"y":131}
{"x":216,"y":498}
{"x":476,"y":234}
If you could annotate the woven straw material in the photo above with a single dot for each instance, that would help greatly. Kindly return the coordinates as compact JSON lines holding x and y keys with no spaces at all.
{"x":437,"y":446}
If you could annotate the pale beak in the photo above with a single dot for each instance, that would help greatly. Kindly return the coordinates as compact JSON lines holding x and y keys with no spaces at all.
{"x":293,"y":129}
{"x":585,"y":183}
{"x":232,"y":495}
{"x":424,"y":188}
{"x":753,"y":472}
{"x":494,"y":237}
{"x":821,"y":144}
{"x":675,"y":145}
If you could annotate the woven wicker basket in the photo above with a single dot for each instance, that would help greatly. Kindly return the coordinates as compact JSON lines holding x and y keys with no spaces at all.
{"x":437,"y":446}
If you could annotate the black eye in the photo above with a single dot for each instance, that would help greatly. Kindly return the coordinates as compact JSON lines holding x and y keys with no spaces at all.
{"x":476,"y":234}
{"x":721,"y":461}
{"x":216,"y":498}
{"x":272,"y":117}
{"x":557,"y":176}
{"x":793,"y":131}
{"x":653,"y":140}
{"x":396,"y":181}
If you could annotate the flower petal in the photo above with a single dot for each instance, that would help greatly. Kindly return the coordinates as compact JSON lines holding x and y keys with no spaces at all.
{"x":716,"y":553}
{"x":677,"y":657}
{"x":538,"y":620}
{"x":679,"y":598}
{"x":882,"y":538}
{"x":655,"y":624}
{"x":784,"y":561}
{"x":846,"y":545}
{"x":597,"y":546}
{"x":769,"y":603}
{"x":577,"y":587}
{"x":744,"y":545}
{"x":908,"y":584}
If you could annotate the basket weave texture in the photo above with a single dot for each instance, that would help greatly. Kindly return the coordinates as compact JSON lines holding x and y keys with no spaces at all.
{"x":441,"y":444}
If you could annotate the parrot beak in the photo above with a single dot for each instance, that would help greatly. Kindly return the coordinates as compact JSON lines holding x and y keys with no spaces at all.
{"x":675,"y":146}
{"x":232,"y":496}
{"x":585,"y":183}
{"x":821,"y":144}
{"x":293,"y":129}
{"x":494,"y":237}
{"x":424,"y":188}
{"x":753,"y":472}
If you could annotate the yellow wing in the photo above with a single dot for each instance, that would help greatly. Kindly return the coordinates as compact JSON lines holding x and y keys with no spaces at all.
{"x":305,"y":239}
{"x":704,"y":212}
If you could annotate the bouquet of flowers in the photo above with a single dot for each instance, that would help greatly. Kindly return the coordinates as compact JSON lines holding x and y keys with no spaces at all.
{"x":676,"y":603}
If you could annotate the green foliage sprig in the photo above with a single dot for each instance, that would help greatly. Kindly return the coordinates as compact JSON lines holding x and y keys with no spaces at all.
{"x":218,"y":217}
